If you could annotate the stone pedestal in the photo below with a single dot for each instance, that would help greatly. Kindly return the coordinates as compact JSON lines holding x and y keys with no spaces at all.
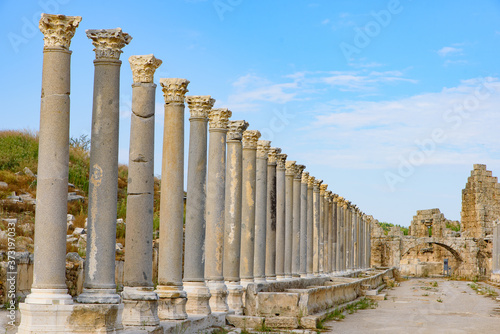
{"x":310,"y":227}
{"x":49,"y":275}
{"x":271,"y":214}
{"x":99,"y":286}
{"x":232,"y":228}
{"x":250,"y":138}
{"x":215,"y":213}
{"x":280,"y":216}
{"x":289,"y":175}
{"x":139,"y":299}
{"x":172,"y":303}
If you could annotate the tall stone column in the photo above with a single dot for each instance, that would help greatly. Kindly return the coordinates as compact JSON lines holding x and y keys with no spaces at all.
{"x":280,"y":216}
{"x":334,"y":233}
{"x":328,"y":234}
{"x":369,"y":244}
{"x":250,"y":138}
{"x":310,"y":227}
{"x":198,"y":294}
{"x":296,"y":220}
{"x":271,"y":214}
{"x":341,"y":233}
{"x":316,"y":232}
{"x":322,"y":224}
{"x":215,"y":211}
{"x":99,"y":286}
{"x":303,"y":224}
{"x":362,"y":240}
{"x":140,"y":300}
{"x":289,"y":175}
{"x":232,"y":224}
{"x":350,"y":244}
{"x":49,"y":272}
{"x":172,"y":303}
{"x":259,"y":270}
{"x":354,"y":216}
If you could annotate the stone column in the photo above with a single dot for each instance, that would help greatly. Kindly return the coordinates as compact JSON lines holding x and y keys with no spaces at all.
{"x":369,"y":244}
{"x":198,"y":294}
{"x":334,"y":233}
{"x":215,"y":211}
{"x":172,"y":303}
{"x":328,"y":228}
{"x":316,"y":235}
{"x":322,"y":244}
{"x":362,"y":240}
{"x":280,"y":216}
{"x":49,"y":273}
{"x":495,"y":263}
{"x":271,"y":214}
{"x":350,"y":244}
{"x":250,"y":138}
{"x":259,"y":270}
{"x":289,"y":175}
{"x":303,"y":224}
{"x":296,"y":220}
{"x":310,"y":227}
{"x":341,"y":233}
{"x":140,"y":300}
{"x":232,"y":224}
{"x":355,"y":237}
{"x":99,"y":286}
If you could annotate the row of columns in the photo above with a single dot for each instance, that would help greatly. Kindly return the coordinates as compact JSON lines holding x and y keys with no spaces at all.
{"x":251,"y":215}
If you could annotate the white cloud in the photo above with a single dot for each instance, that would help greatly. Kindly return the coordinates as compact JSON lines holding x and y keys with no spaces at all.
{"x":449,"y":50}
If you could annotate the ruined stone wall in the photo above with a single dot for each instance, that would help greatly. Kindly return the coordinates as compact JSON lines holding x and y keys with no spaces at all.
{"x":480,"y":203}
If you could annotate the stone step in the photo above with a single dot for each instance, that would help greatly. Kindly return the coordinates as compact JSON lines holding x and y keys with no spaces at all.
{"x":378,"y":297}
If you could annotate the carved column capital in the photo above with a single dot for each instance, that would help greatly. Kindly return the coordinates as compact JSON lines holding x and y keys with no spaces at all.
{"x":108,"y":42}
{"x":218,"y":118}
{"x":272,"y":156}
{"x":305,"y":177}
{"x":281,"y":160}
{"x":298,"y":171}
{"x":317,"y":184}
{"x":263,"y":147}
{"x":58,"y":30}
{"x":250,"y":138}
{"x":174,"y":89}
{"x":235,"y":129}
{"x":310,"y":182}
{"x":322,"y":188}
{"x":144,"y":67}
{"x":290,"y":167}
{"x":328,"y":195}
{"x":200,"y":105}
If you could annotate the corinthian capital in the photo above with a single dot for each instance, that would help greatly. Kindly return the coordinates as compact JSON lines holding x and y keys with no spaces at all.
{"x":144,"y":67}
{"x":322,"y":188}
{"x":250,"y":138}
{"x":305,"y":177}
{"x":219,"y":118}
{"x":281,"y":160}
{"x":328,"y":195}
{"x":108,"y":43}
{"x":174,"y":89}
{"x":236,"y":129}
{"x":298,"y":171}
{"x":263,"y":147}
{"x":200,"y":105}
{"x":272,"y":156}
{"x":310,"y":181}
{"x":317,"y":184}
{"x":58,"y":30}
{"x":290,"y":167}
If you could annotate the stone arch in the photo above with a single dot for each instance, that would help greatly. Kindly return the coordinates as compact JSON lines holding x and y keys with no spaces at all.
{"x":414,"y":243}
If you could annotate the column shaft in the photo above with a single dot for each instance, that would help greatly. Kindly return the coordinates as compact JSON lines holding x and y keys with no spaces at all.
{"x":303,"y":224}
{"x":263,"y":147}
{"x":280,"y":216}
{"x":289,"y":174}
{"x":296,"y":221}
{"x":271,"y":214}
{"x":310,"y":227}
{"x":316,"y":232}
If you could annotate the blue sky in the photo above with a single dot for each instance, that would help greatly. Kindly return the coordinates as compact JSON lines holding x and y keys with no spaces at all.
{"x":389,"y":102}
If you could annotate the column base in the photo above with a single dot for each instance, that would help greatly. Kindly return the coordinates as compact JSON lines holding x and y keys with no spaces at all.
{"x":198,"y":297}
{"x":99,"y":296}
{"x":49,"y":297}
{"x":271,"y":278}
{"x":310,"y":275}
{"x":280,"y":277}
{"x":140,"y":306}
{"x":244,"y":282}
{"x":172,"y":302}
{"x":218,"y":301}
{"x":495,"y":277}
{"x":259,"y":280}
{"x":76,"y":318}
{"x":303,"y":275}
{"x":235,"y":297}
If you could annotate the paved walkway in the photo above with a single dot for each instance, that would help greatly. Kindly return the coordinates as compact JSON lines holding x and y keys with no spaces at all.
{"x":419,"y":306}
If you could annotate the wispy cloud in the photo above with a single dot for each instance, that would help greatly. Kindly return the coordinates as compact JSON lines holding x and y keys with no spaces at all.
{"x":449,"y":50}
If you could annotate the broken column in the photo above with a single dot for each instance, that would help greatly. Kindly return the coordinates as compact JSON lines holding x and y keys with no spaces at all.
{"x":198,"y":294}
{"x":280,"y":216}
{"x":99,"y":286}
{"x":289,"y":175}
{"x":259,"y":270}
{"x":316,"y":235}
{"x":215,"y":213}
{"x":271,"y":214}
{"x":303,"y":224}
{"x":250,"y":138}
{"x":232,"y":224}
{"x":172,"y":303}
{"x":296,"y":220}
{"x":310,"y":226}
{"x":140,"y":301}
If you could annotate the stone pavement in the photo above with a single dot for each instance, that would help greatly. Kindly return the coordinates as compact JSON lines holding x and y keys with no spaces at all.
{"x":418,"y":306}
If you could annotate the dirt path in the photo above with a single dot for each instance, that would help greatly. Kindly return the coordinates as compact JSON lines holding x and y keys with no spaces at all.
{"x":421,"y":306}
